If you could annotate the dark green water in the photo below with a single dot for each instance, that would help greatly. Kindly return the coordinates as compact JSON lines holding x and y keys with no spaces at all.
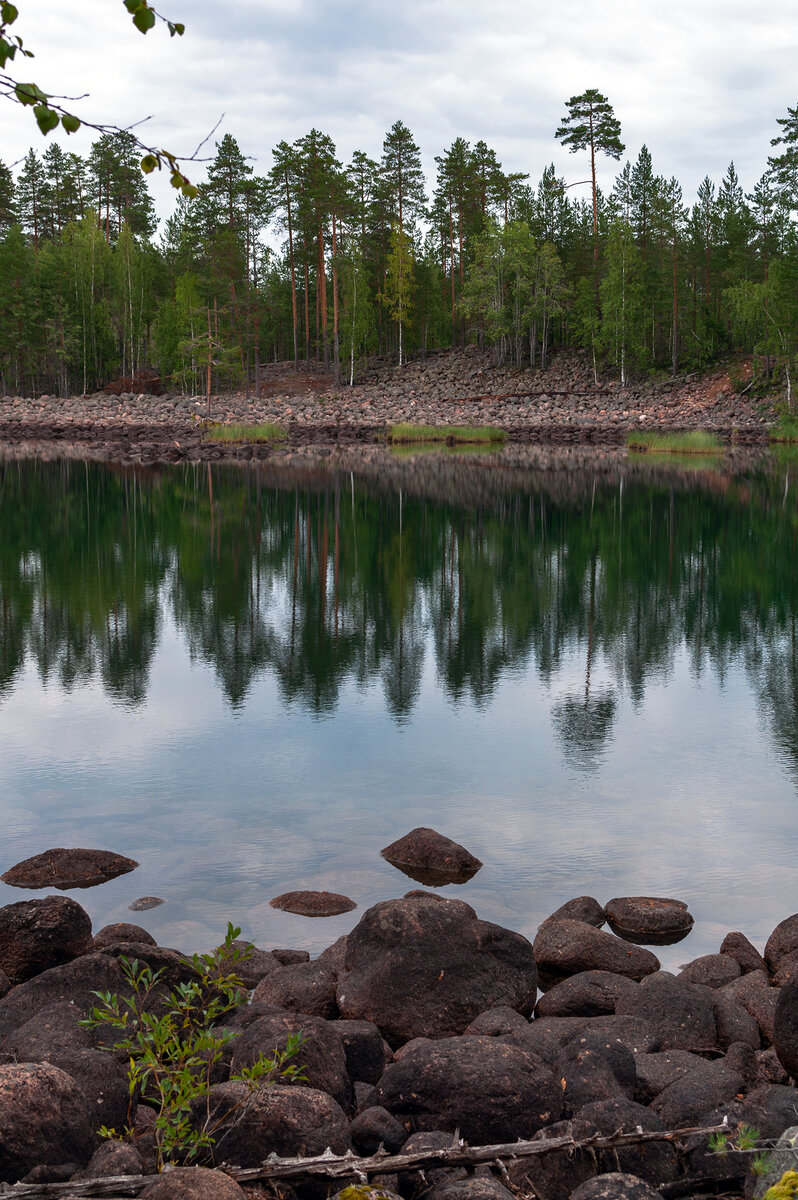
{"x":252,"y":683}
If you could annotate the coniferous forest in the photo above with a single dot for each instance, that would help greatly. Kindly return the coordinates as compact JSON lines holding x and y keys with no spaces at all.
{"x":324,"y":262}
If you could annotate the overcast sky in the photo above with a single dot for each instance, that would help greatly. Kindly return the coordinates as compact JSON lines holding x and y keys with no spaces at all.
{"x":700,"y":82}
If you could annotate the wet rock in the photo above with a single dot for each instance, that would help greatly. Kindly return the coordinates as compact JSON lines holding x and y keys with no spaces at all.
{"x":366,"y":1053}
{"x":145,"y":902}
{"x":588,"y":994}
{"x":313,"y":904}
{"x":63,"y":869}
{"x":321,"y":1053}
{"x":491,"y":1091}
{"x":682,"y":1013}
{"x":122,"y":931}
{"x":581,"y":908}
{"x":564,"y":948}
{"x":304,"y":987}
{"x":375,"y":1127}
{"x":431,"y":859}
{"x":288,"y":1121}
{"x":38,"y":934}
{"x":426,"y":966}
{"x":782,"y":942}
{"x":193,"y":1183}
{"x":657,"y":920}
{"x":44,"y":1119}
{"x":738,"y":947}
{"x":685,"y":1101}
{"x":711,"y":970}
{"x":785,"y":1027}
{"x":617,"y":1185}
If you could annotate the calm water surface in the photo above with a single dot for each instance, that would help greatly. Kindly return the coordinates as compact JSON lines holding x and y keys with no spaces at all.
{"x":252,"y":682}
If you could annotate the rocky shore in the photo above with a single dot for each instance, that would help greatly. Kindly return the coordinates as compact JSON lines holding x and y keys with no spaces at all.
{"x":423,"y":1024}
{"x":459,"y":387}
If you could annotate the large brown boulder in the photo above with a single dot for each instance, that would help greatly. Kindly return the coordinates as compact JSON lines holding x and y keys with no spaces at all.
{"x":657,"y":920}
{"x":44,"y":1118}
{"x":785,"y":1027}
{"x":782,"y":942}
{"x":72,"y":985}
{"x":588,"y":994}
{"x":321,"y":1054}
{"x":683,"y":1014}
{"x":64,"y":869}
{"x":430,"y":858}
{"x":426,"y":966}
{"x":38,"y":934}
{"x":288,"y":1121}
{"x":490,"y":1090}
{"x":301,"y":987}
{"x":564,"y":948}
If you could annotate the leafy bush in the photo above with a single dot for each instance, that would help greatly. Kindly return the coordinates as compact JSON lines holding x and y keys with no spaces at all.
{"x":172,"y":1042}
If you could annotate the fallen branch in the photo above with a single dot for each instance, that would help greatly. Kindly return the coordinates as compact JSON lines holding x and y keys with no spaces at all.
{"x":347,"y":1166}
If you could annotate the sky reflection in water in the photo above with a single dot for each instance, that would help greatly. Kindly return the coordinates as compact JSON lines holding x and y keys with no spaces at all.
{"x":593,"y":688}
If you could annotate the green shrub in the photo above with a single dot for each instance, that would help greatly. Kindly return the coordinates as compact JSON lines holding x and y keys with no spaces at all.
{"x":172,"y":1044}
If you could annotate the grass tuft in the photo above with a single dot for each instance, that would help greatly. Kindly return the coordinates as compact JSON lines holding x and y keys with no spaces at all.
{"x":451,"y":434}
{"x":695,"y":441}
{"x":267,"y":432}
{"x":785,"y":429}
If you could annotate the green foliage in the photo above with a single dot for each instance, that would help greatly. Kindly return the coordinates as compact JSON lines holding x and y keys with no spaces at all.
{"x":172,"y":1041}
{"x":695,"y":441}
{"x":267,"y":431}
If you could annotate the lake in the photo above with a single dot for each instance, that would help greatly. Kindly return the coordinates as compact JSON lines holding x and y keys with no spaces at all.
{"x":252,"y":679}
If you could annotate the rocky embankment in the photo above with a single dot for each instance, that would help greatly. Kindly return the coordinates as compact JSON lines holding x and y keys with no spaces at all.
{"x":423,"y":1022}
{"x":457,"y":387}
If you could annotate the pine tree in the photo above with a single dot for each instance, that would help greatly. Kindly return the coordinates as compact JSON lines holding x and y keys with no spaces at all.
{"x":402,"y":177}
{"x":591,"y":123}
{"x":7,"y":203}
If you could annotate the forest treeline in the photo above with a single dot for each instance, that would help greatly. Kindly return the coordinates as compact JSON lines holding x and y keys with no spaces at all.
{"x":323,"y":262}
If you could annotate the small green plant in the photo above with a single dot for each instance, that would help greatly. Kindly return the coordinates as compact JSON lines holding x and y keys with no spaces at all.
{"x":761,"y":1163}
{"x":267,"y":431}
{"x":446,"y":433}
{"x":172,"y":1042}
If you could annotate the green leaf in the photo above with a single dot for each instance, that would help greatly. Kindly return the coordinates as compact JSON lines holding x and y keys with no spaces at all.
{"x":8,"y":13}
{"x":148,"y":163}
{"x":46,"y":118}
{"x":144,"y":19}
{"x":133,"y":6}
{"x":179,"y":28}
{"x":29,"y":93}
{"x":70,"y":122}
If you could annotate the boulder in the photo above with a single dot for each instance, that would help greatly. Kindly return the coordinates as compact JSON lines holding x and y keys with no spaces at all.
{"x":711,"y":970}
{"x":303,"y":987}
{"x":375,"y":1127}
{"x":656,"y":1071}
{"x":488,"y":1089}
{"x":617,"y":1185}
{"x":431,"y":859}
{"x":476,"y":1187}
{"x":497,"y":1022}
{"x":145,"y":902}
{"x":193,"y":1183}
{"x":320,"y":1055}
{"x":564,"y":948}
{"x":682,"y":1013}
{"x":64,"y":869}
{"x":657,"y":920}
{"x":782,"y":942}
{"x":588,"y":994}
{"x":250,"y":964}
{"x":44,"y":1119}
{"x":73,"y":984}
{"x":38,"y":934}
{"x":288,"y":1121}
{"x":656,"y":1162}
{"x":122,"y":931}
{"x":581,"y":908}
{"x":785,"y":1027}
{"x":586,"y":1077}
{"x":426,"y":966}
{"x":287,"y":958}
{"x":686,"y":1101}
{"x":738,"y":947}
{"x":612,"y":1050}
{"x":788,"y":969}
{"x":366,"y":1053}
{"x":733,"y":1023}
{"x":113,"y":1158}
{"x":313,"y":904}
{"x":554,"y":1175}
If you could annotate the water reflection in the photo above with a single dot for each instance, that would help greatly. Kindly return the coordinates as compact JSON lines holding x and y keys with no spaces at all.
{"x":323,"y":583}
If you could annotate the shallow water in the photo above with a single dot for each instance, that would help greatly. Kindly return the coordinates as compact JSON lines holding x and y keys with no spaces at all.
{"x":252,"y":682}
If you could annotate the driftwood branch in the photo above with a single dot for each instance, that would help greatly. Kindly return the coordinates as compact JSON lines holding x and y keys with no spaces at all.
{"x":348,"y":1166}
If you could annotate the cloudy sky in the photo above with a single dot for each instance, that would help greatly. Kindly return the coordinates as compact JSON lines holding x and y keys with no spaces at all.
{"x":701,"y":82}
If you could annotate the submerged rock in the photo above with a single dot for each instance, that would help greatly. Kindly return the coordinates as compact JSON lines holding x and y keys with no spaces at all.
{"x":313,"y":904}
{"x":145,"y":902}
{"x":430,"y":858}
{"x":64,"y":869}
